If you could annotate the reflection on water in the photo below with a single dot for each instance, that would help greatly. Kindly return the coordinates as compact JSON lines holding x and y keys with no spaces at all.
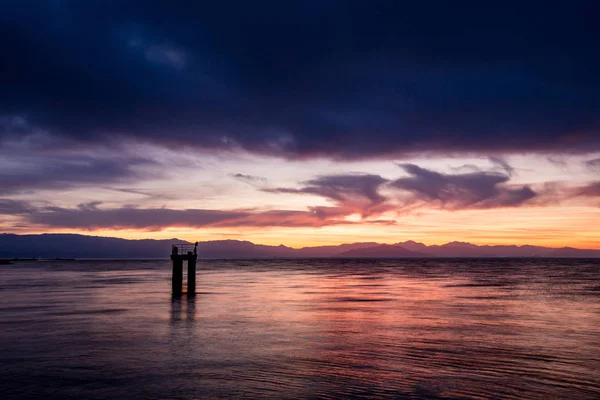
{"x":183,"y":308}
{"x":430,"y":329}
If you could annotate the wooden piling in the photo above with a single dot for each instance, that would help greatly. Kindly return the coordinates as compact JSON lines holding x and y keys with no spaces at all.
{"x":179,"y":254}
{"x":191,"y":286}
{"x":177,"y":282}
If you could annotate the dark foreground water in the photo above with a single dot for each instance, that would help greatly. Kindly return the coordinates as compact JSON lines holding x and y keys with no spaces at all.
{"x":433,"y":329}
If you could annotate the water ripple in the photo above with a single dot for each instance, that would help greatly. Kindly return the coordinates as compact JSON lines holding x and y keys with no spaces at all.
{"x":302,"y":329}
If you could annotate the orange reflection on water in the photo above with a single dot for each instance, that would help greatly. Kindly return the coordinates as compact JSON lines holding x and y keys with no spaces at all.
{"x":320,"y":329}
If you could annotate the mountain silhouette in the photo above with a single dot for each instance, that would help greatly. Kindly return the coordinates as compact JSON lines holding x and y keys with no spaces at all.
{"x":380,"y":251}
{"x":83,"y":246}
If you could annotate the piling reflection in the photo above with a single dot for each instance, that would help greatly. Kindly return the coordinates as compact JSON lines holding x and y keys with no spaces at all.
{"x":183,"y":308}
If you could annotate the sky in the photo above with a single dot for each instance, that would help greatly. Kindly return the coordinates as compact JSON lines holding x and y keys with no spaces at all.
{"x":302,"y":122}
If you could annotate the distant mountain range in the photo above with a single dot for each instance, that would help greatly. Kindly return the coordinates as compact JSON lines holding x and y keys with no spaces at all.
{"x":82,"y":246}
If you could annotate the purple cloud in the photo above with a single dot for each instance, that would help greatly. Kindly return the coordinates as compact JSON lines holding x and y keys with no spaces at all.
{"x":90,"y":216}
{"x":61,"y":172}
{"x":458,"y":191}
{"x":356,"y":192}
{"x":505,"y":166}
{"x":589,"y":190}
{"x":14,"y":207}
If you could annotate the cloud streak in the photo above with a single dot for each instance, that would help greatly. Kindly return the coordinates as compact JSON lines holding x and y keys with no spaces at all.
{"x":91,"y":216}
{"x":249,"y":179}
{"x":67,"y":171}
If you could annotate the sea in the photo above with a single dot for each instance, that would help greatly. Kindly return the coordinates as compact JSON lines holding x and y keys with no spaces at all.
{"x":302,"y":329}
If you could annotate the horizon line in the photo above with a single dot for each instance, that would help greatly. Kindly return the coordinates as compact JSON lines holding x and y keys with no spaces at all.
{"x":302,"y":247}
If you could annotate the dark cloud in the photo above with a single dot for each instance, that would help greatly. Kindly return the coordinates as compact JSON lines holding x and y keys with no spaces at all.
{"x":250,"y":179}
{"x":505,"y":166}
{"x":355,"y":193}
{"x":342,"y":79}
{"x":593,"y":164}
{"x":359,"y":193}
{"x":14,"y":207}
{"x":33,"y":173}
{"x":459,"y":191}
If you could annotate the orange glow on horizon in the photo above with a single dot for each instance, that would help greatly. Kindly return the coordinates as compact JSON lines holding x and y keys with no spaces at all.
{"x":575,"y":226}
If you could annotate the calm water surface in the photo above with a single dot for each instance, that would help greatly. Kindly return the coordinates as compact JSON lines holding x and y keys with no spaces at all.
{"x":433,"y":329}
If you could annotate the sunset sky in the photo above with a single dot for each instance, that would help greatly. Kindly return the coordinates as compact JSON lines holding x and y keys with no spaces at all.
{"x":302,"y":122}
